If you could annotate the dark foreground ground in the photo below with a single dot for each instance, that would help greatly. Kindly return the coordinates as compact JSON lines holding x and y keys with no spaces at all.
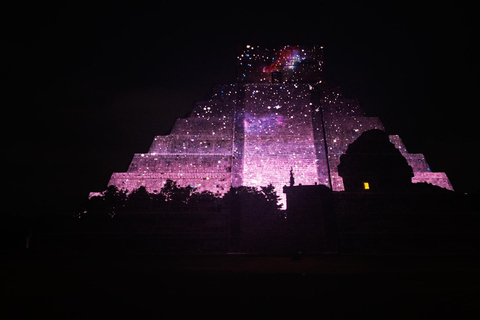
{"x":240,"y":287}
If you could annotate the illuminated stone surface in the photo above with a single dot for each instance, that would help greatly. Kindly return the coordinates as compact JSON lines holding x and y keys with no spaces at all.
{"x":279,"y":115}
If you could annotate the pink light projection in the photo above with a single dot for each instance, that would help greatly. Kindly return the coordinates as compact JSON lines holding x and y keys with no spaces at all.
{"x":254,"y":131}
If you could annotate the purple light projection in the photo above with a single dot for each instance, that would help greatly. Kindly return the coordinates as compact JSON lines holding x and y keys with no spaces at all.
{"x":252,"y":132}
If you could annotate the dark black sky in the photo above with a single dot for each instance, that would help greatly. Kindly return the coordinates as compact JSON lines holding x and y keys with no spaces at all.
{"x":87,"y":86}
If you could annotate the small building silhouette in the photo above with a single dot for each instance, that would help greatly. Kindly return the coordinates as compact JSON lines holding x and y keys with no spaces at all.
{"x":373,"y":163}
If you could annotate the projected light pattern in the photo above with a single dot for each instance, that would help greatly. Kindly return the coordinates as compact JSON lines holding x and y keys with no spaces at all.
{"x":287,"y":59}
{"x":278,"y":135}
{"x":254,"y":131}
{"x":295,"y":64}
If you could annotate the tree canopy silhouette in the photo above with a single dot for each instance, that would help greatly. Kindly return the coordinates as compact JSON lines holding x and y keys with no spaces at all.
{"x":174,"y":198}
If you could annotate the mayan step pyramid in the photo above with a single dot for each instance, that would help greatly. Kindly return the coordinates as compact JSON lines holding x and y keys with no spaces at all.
{"x":279,"y":115}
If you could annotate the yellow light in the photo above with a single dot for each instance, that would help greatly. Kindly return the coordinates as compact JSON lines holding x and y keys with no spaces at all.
{"x":366,"y":186}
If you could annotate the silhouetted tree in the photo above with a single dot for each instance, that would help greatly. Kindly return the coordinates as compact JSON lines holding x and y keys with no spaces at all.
{"x":254,"y":214}
{"x":139,"y":201}
{"x":115,"y":200}
{"x":176,"y":195}
{"x":204,"y":201}
{"x":259,"y":202}
{"x":272,"y":198}
{"x":96,"y":214}
{"x":158,"y":201}
{"x":99,"y":210}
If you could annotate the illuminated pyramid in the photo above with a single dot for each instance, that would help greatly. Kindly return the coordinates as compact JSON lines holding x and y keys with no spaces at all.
{"x":279,"y":115}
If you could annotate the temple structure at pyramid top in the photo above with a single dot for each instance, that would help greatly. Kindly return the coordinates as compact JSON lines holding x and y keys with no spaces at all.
{"x":278,"y":116}
{"x":292,"y":64}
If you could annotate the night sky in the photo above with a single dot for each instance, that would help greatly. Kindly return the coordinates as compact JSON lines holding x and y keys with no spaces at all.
{"x":87,"y":86}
